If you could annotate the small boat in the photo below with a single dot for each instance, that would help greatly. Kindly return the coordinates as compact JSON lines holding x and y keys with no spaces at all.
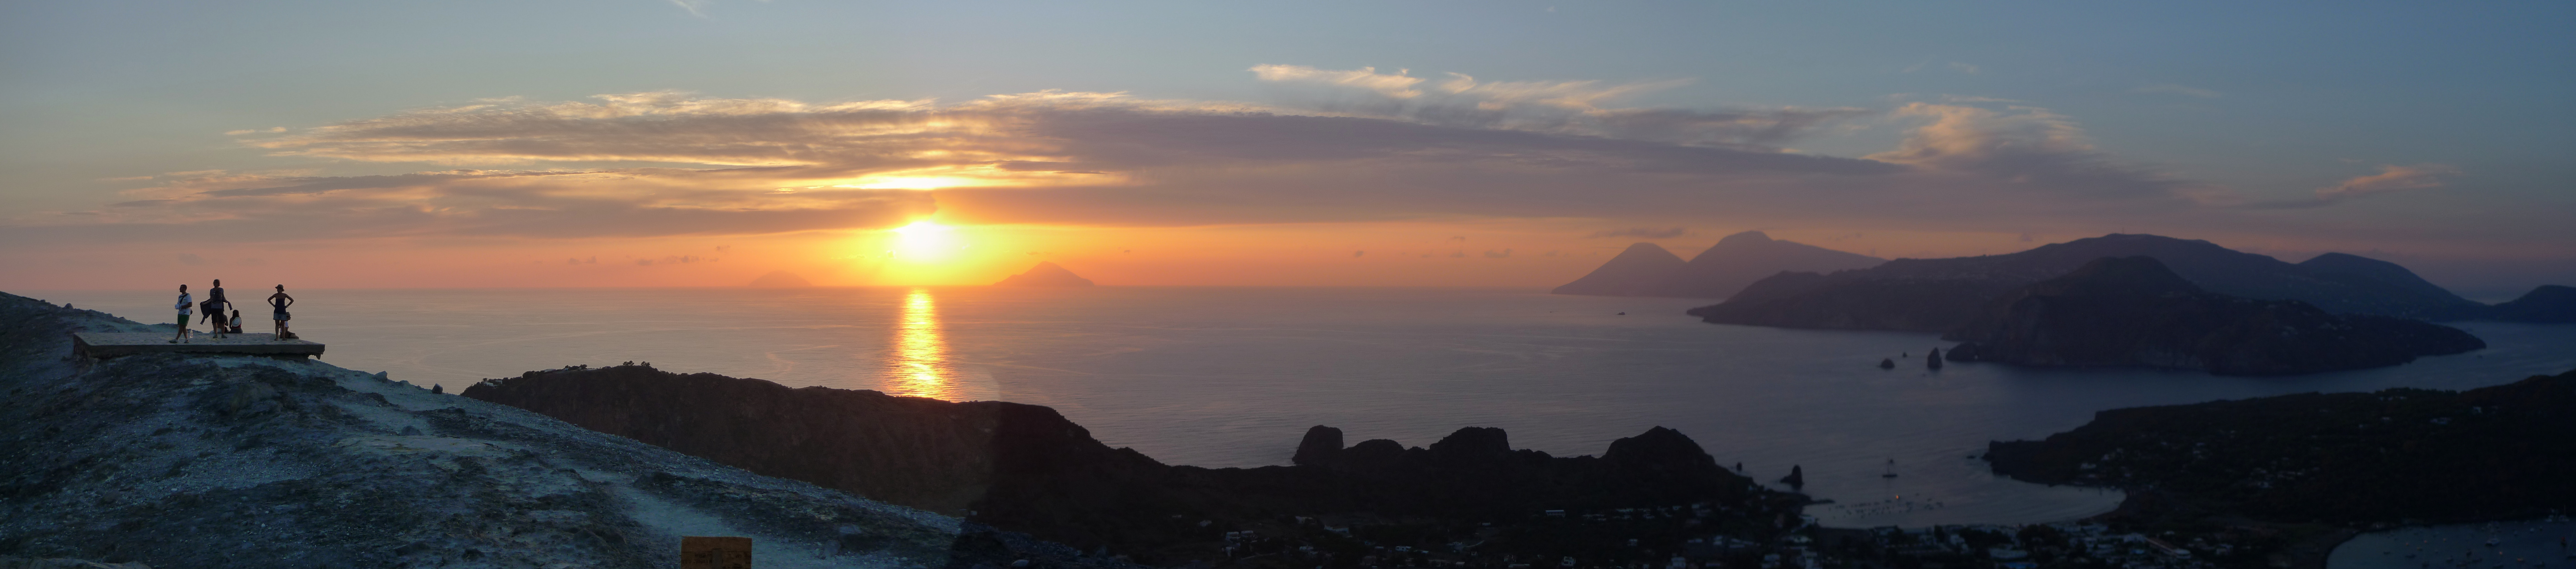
{"x":1891,"y":469}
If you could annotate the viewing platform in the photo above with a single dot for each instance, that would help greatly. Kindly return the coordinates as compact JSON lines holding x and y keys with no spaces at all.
{"x":109,"y":345}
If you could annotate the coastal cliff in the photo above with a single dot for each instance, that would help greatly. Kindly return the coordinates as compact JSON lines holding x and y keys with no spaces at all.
{"x":1026,"y":468}
{"x":1936,"y":295}
{"x":2132,"y":311}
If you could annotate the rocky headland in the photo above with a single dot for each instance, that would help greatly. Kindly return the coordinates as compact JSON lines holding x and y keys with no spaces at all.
{"x":2132,"y":311}
{"x":1026,"y":468}
{"x":2308,"y":470}
{"x":1937,"y":295}
{"x":1045,"y":274}
{"x":1720,"y":271}
{"x":246,"y":461}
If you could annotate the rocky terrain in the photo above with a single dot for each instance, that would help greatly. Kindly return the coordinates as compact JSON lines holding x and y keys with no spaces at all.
{"x":1936,"y":295}
{"x":2132,"y":311}
{"x":1025,"y":468}
{"x":1718,"y":272}
{"x":244,"y":461}
{"x":1045,"y":274}
{"x":2322,"y":465}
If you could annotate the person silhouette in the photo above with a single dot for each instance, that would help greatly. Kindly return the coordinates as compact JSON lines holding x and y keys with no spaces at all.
{"x":216,"y":303}
{"x":236,"y":327}
{"x":184,"y":304}
{"x":280,"y":301}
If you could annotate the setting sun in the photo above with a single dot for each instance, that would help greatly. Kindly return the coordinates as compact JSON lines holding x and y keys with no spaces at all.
{"x":926,"y":242}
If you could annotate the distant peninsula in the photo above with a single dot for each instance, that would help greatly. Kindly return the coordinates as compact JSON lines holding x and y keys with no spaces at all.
{"x":2132,"y":311}
{"x":1045,"y":274}
{"x":1646,"y":269}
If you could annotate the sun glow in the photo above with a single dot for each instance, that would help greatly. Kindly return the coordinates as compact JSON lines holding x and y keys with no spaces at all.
{"x":926,"y":242}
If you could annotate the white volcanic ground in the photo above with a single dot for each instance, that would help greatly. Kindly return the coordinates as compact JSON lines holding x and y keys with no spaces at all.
{"x":241,"y":461}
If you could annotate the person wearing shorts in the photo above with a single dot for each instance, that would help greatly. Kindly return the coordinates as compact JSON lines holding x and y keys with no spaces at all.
{"x":280,"y":301}
{"x":184,"y":304}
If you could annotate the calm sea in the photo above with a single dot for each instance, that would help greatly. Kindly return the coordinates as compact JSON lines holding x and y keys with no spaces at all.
{"x":1229,"y":376}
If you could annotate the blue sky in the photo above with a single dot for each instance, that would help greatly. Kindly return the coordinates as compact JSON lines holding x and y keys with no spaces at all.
{"x":2272,"y":103}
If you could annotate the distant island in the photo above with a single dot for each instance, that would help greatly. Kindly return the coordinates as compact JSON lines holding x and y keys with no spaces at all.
{"x":1045,"y":274}
{"x":1938,"y":295}
{"x":780,"y":279}
{"x":2281,"y":480}
{"x":2132,"y":311}
{"x":1646,"y":269}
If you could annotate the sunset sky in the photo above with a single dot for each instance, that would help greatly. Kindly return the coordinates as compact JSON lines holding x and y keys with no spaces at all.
{"x":706,"y":142}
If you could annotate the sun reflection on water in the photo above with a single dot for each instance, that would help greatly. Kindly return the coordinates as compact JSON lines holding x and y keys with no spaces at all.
{"x":921,"y":354}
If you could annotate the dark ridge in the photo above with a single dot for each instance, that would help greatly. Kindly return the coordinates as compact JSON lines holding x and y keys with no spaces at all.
{"x":1026,"y":468}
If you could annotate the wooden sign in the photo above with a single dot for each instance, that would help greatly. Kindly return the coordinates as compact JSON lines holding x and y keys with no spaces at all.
{"x":715,"y":552}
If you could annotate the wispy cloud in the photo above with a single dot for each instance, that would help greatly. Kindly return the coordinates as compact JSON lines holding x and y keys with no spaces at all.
{"x":1565,"y":107}
{"x":2390,"y":179}
{"x":1644,"y":232}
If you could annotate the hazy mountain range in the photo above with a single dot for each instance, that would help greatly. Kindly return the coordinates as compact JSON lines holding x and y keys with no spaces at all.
{"x":1646,"y":269}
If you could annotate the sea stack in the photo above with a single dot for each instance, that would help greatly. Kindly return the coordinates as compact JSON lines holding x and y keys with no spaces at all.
{"x":1046,"y":274}
{"x":1884,"y":363}
{"x":1797,"y":477}
{"x":1933,"y":359}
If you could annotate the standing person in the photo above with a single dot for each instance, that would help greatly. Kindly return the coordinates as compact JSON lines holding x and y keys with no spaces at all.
{"x":185,"y":303}
{"x":280,"y":301}
{"x":215,"y":303}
